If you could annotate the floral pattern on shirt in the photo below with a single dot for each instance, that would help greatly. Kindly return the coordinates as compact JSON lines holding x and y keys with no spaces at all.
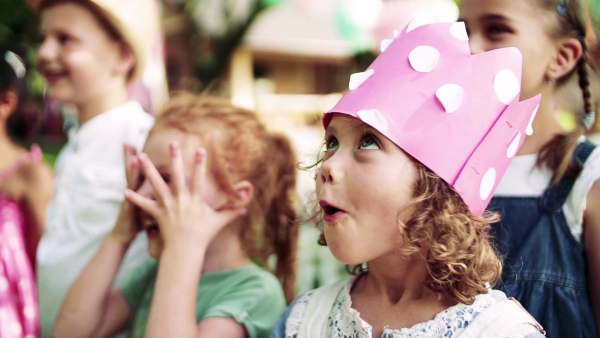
{"x":345,"y":322}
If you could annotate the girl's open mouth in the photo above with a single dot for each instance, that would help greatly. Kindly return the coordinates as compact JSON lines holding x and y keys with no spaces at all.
{"x":330,"y":213}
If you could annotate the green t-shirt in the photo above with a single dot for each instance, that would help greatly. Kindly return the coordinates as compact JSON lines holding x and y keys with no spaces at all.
{"x":250,"y":295}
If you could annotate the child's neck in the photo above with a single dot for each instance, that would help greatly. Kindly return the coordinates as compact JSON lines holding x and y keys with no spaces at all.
{"x":393,"y":294}
{"x":225,"y":253}
{"x":98,"y":105}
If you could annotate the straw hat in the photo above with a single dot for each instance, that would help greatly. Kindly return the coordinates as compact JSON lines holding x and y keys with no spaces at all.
{"x":137,"y":21}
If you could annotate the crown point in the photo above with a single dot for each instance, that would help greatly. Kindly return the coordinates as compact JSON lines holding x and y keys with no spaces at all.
{"x":385,"y":44}
{"x":506,"y":86}
{"x":487,"y":184}
{"x":514,"y":146}
{"x":374,"y":118}
{"x":529,"y":130}
{"x":424,"y":58}
{"x":459,"y":31}
{"x":450,"y":96}
{"x":396,"y":33}
{"x":357,"y":79}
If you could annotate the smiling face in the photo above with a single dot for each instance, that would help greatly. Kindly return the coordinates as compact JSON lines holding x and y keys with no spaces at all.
{"x":157,"y":149}
{"x":493,"y":24}
{"x":77,"y":56}
{"x":363,"y":184}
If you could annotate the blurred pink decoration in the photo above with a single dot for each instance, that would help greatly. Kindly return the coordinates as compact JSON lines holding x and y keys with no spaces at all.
{"x":19,"y":316}
{"x":396,"y":14}
{"x":458,"y":114}
{"x":152,"y":90}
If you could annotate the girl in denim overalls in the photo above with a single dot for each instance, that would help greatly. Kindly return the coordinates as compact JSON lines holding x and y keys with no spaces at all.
{"x":549,"y":199}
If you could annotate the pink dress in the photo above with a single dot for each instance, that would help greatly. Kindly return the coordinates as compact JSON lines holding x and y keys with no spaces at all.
{"x":18,"y":291}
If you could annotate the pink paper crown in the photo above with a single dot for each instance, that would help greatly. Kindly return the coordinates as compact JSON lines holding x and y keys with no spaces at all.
{"x":456,"y":113}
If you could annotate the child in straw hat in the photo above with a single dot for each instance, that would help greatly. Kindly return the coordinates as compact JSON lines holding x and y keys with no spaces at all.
{"x":91,"y":51}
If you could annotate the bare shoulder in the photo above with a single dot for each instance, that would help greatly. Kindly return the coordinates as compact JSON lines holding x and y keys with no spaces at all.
{"x":36,"y":172}
{"x":36,"y":177}
{"x":592,"y":210}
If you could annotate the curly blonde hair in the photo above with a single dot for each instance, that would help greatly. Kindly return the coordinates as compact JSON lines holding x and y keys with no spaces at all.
{"x":460,"y":259}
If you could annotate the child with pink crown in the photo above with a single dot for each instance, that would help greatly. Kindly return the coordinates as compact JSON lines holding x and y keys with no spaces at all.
{"x":413,"y":153}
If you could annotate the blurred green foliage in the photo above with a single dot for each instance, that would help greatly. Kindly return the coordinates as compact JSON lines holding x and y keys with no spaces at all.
{"x":19,"y":29}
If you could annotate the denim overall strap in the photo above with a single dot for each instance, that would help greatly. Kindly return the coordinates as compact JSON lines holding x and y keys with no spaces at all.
{"x":544,"y":266}
{"x":555,"y":197}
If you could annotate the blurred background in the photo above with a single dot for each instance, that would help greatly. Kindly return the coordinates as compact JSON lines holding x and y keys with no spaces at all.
{"x":289,"y":60}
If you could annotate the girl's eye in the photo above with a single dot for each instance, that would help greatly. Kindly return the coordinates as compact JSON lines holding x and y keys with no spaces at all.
{"x":497,"y":29}
{"x":64,"y":38}
{"x":331,"y":144}
{"x":369,"y":142}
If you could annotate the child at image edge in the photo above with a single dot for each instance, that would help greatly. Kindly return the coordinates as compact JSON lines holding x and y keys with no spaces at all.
{"x":25,"y":191}
{"x":413,"y":152}
{"x":215,"y":194}
{"x":91,"y":50}
{"x":549,"y":199}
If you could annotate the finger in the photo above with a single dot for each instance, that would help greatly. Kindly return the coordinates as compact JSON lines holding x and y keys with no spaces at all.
{"x":177,"y":172}
{"x":199,"y":174}
{"x":161,"y":188}
{"x":131,"y":165}
{"x":143,"y":203}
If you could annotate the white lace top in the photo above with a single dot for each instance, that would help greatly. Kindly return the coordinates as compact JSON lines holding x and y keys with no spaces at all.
{"x":344,"y":321}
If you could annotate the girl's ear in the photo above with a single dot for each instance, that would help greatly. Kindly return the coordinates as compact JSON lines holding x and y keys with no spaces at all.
{"x":8,"y":103}
{"x":568,"y":54}
{"x":126,"y":60}
{"x":244,"y":191}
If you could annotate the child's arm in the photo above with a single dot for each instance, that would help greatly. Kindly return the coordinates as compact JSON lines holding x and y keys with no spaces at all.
{"x":187,"y":226}
{"x":91,"y":308}
{"x":36,"y":198}
{"x":591,"y":237}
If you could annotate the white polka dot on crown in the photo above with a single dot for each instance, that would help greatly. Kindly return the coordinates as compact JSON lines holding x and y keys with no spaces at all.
{"x":423,"y":59}
{"x":506,"y":86}
{"x":487,"y":183}
{"x":451,"y":96}
{"x":514,"y":146}
{"x":459,"y":31}
{"x":529,"y":130}
{"x":374,"y":118}
{"x":357,"y":79}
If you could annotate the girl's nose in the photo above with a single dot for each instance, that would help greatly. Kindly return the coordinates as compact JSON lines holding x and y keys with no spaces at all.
{"x":330,"y":171}
{"x":45,"y":51}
